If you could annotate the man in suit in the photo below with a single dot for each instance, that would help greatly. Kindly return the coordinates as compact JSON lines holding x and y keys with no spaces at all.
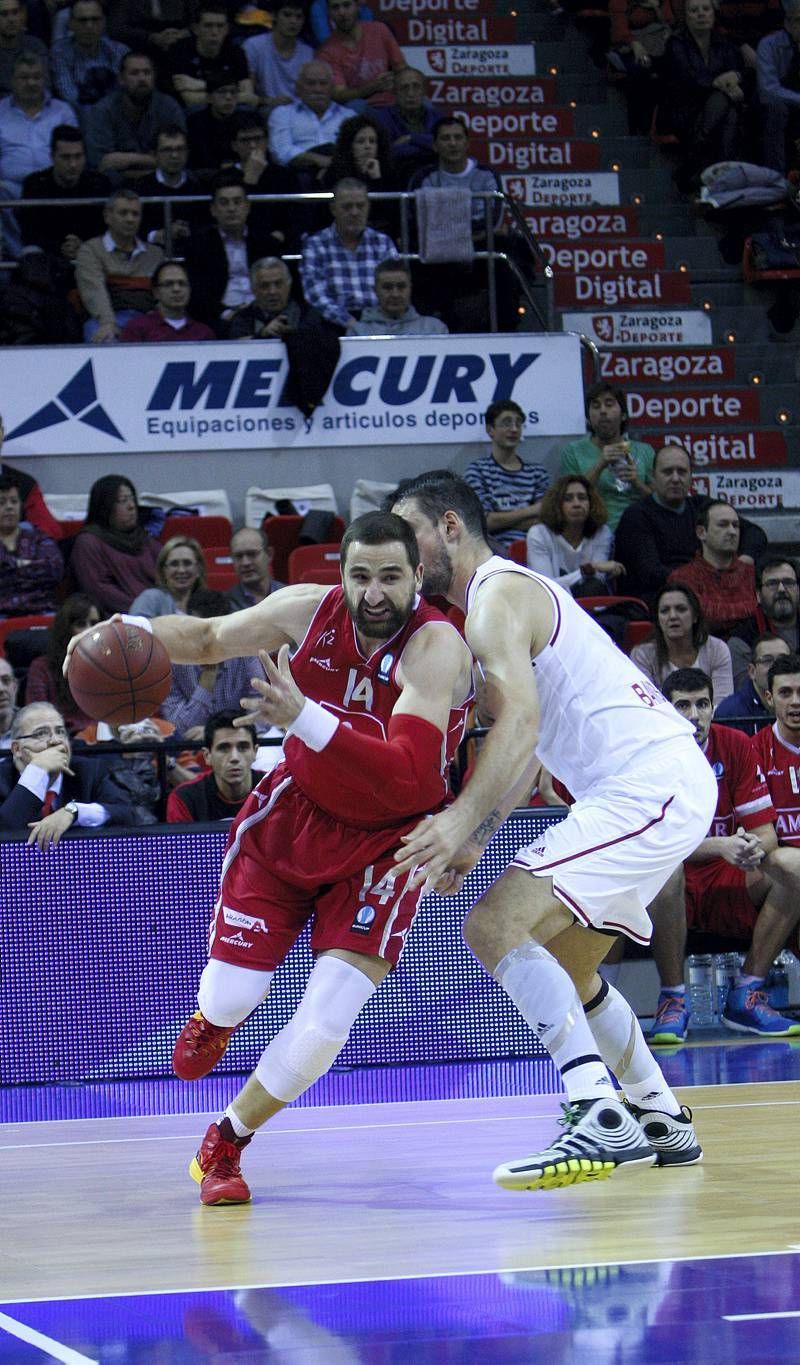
{"x":220,"y":256}
{"x":44,"y":789}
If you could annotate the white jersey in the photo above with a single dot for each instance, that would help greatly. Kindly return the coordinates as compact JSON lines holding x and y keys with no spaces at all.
{"x":599,"y":715}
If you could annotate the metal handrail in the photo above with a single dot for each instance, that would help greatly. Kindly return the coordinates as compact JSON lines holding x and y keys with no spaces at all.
{"x":403,"y":197}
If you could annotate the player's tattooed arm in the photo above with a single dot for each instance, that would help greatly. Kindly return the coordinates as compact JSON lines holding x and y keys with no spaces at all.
{"x":487,"y":827}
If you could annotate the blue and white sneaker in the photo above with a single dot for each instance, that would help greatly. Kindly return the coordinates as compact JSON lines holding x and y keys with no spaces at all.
{"x":749,"y":1011}
{"x":671,"y":1136}
{"x":671,"y":1022}
{"x":600,"y":1136}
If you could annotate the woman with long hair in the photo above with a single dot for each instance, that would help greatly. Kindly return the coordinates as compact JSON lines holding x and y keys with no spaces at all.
{"x":363,"y":152}
{"x":45,"y":680}
{"x":571,"y":543}
{"x":113,"y":558}
{"x":680,"y":639}
{"x":180,"y":568}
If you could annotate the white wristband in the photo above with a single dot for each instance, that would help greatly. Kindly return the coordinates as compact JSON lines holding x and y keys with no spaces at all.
{"x":314,"y":726}
{"x":143,"y":621}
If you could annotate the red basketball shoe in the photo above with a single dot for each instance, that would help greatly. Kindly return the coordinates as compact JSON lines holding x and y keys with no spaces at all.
{"x":216,"y":1166}
{"x":199,"y":1047}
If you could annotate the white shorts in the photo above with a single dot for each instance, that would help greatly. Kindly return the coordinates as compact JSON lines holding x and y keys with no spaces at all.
{"x":622,"y":841}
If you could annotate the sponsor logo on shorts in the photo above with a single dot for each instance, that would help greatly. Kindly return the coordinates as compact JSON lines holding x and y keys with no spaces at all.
{"x":236,"y":940}
{"x":238,"y":919}
{"x":364,"y":920}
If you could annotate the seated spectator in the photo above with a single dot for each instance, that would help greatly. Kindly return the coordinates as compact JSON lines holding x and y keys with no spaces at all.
{"x":198,"y":690}
{"x":394,"y":314}
{"x":86,"y":62}
{"x":34,"y":507}
{"x":619,"y":467}
{"x":338,"y":265}
{"x":748,"y":708}
{"x":657,"y":534}
{"x":170,"y":177}
{"x":362,"y":153}
{"x":27,"y":119}
{"x":302,"y":134}
{"x":114,"y":272}
{"x":273,"y":312}
{"x":60,"y":233}
{"x":219,"y":795}
{"x":47,"y":790}
{"x":113,"y":558}
{"x":209,"y":53}
{"x":778,"y":57}
{"x":8,"y":701}
{"x":220,"y":256}
{"x":150,"y":26}
{"x":275,"y":58}
{"x":252,"y":556}
{"x":734,"y":884}
{"x":136,"y":773}
{"x":410,"y":123}
{"x":639,"y":36}
{"x":180,"y":569}
{"x":45,"y":680}
{"x":724,"y":584}
{"x":777,"y":612}
{"x":122,"y":128}
{"x":572,"y":543}
{"x":680,"y":639}
{"x":212,"y":128}
{"x":31,"y":566}
{"x":510,"y":491}
{"x":16,"y":41}
{"x":362,"y":56}
{"x":705,"y":94}
{"x":33,"y":309}
{"x":455,"y":169}
{"x":169,"y":320}
{"x":319,"y":19}
{"x":262,"y":176}
{"x":776,"y":748}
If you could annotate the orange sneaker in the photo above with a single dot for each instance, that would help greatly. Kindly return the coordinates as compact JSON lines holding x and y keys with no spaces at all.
{"x":216,"y":1166}
{"x":199,"y":1047}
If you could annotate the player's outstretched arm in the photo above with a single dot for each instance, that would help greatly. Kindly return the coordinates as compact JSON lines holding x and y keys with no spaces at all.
{"x":510,"y":620}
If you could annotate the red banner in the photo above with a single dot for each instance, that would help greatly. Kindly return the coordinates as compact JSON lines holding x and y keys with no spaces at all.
{"x":694,"y":407}
{"x":507,"y":123}
{"x":490,"y":92}
{"x":668,"y":365}
{"x":579,"y":154}
{"x":388,"y":10}
{"x":605,"y":256}
{"x":456,"y":28}
{"x":553,"y":224}
{"x":610,"y":290}
{"x":725,"y":450}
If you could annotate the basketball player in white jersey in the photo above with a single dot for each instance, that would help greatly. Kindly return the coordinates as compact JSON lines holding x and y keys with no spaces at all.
{"x":565,"y":697}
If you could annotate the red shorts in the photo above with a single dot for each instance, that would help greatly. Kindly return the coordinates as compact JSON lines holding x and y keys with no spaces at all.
{"x":717,"y":899}
{"x":288,"y":862}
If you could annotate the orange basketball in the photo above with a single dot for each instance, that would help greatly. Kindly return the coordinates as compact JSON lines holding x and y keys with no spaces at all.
{"x":119,"y":673}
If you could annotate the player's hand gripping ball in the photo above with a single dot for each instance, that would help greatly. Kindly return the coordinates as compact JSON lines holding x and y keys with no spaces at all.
{"x":119,"y":673}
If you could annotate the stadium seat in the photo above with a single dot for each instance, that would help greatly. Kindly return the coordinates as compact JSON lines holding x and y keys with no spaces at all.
{"x":518,"y":551}
{"x":220,"y":572}
{"x":636,"y":632}
{"x":207,"y":530}
{"x":314,"y":564}
{"x":13,"y":623}
{"x":271,"y":502}
{"x":283,"y":534}
{"x":219,"y":580}
{"x":369,"y":495}
{"x":592,"y":604}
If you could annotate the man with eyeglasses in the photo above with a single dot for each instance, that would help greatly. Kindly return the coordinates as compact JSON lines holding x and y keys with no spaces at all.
{"x":169,"y":320}
{"x":778,"y":605}
{"x":45,"y":790}
{"x":748,"y":708}
{"x":251,"y":553}
{"x":509,"y":490}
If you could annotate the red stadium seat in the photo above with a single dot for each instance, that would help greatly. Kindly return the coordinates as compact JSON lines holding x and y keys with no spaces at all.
{"x":315,"y":564}
{"x":636,"y":632}
{"x":207,"y":530}
{"x":23,"y":623}
{"x":518,"y":551}
{"x":220,"y":579}
{"x":283,"y":534}
{"x":592,"y":603}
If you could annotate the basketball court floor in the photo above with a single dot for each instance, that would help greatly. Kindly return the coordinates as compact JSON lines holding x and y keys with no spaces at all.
{"x":376,"y":1234}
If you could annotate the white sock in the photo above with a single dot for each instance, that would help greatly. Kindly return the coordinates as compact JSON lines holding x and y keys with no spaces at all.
{"x":622,"y":1046}
{"x":548,"y":1002}
{"x":239,"y":1128}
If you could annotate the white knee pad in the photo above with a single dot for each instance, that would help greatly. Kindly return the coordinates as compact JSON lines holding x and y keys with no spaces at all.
{"x":309,"y":1044}
{"x":227,"y":994}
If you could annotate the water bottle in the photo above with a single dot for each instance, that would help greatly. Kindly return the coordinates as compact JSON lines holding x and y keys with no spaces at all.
{"x":701,"y":990}
{"x":725,"y":965}
{"x":793,"y":973}
{"x":618,"y":467}
{"x":777,"y":982}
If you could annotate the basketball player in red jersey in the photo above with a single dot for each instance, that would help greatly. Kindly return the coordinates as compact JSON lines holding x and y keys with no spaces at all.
{"x":374,"y":703}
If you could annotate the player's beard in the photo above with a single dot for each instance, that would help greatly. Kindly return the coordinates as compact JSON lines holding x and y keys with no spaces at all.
{"x":437,"y":571}
{"x":394,"y":620}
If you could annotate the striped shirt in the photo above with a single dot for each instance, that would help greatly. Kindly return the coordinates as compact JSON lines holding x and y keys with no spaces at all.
{"x":501,"y":489}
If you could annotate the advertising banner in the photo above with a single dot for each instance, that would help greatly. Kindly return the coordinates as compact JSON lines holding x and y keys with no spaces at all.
{"x":519,"y":126}
{"x":227,"y":396}
{"x":575,"y":226}
{"x":753,"y":492}
{"x":567,"y":187}
{"x":489,"y":59}
{"x":580,"y":154}
{"x":481,"y":93}
{"x":609,"y":290}
{"x":666,"y":365}
{"x":695,"y":407}
{"x":453,"y":28}
{"x":662,"y":328}
{"x":394,"y":9}
{"x":605,"y":256}
{"x":724,"y":449}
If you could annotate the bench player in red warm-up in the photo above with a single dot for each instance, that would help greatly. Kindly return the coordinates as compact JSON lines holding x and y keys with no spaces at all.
{"x":374,"y":702}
